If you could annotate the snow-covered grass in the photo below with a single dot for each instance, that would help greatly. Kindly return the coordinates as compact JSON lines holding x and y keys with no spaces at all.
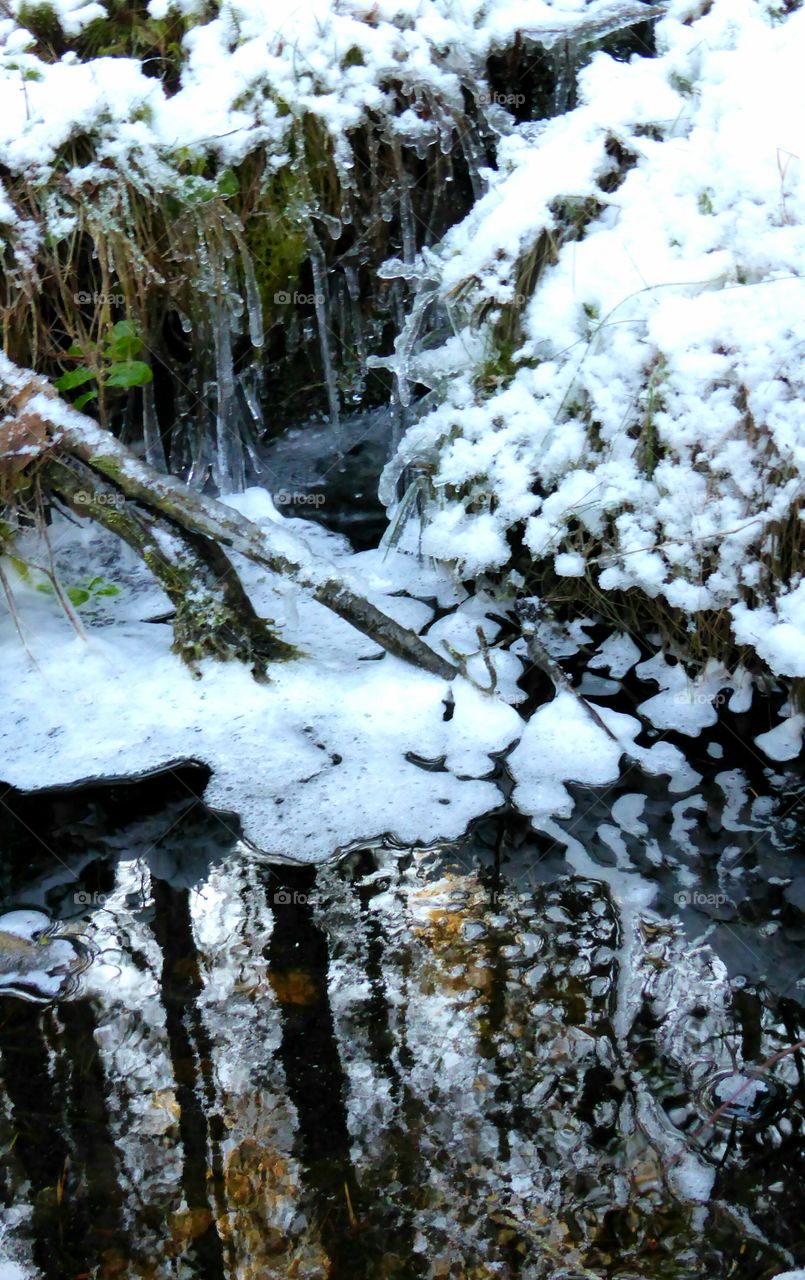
{"x":616,"y":421}
{"x":127,"y":132}
{"x":619,"y":414}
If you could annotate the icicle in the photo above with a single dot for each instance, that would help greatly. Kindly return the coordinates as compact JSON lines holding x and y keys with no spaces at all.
{"x":335,"y":226}
{"x":473,"y":153}
{"x":320,"y":303}
{"x":203,"y":265}
{"x":441,"y":177}
{"x":565,"y":59}
{"x":407,"y":229}
{"x":407,"y":223}
{"x":249,"y":383}
{"x":354,"y":294}
{"x":345,"y":168}
{"x":201,"y":463}
{"x":154,"y":451}
{"x":229,"y":467}
{"x":404,"y":343}
{"x":253,"y":301}
{"x":387,"y":205}
{"x":253,"y":425}
{"x":179,"y":447}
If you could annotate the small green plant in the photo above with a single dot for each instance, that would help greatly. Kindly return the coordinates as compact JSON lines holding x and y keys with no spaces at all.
{"x":705,"y":201}
{"x":109,"y":363}
{"x":80,"y":594}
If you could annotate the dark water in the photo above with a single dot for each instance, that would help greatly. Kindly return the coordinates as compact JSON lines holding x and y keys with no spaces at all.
{"x":332,"y":479}
{"x":495,"y":1058}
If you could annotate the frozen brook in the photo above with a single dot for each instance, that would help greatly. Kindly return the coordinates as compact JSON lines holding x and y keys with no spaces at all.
{"x":352,"y":975}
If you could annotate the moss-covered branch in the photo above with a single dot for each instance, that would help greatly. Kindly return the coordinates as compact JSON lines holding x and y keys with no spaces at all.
{"x":72,"y":435}
{"x":213,"y":616}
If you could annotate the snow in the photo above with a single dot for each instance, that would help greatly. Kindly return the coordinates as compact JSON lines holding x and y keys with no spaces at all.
{"x":13,"y":1271}
{"x":310,"y":763}
{"x":778,"y":634}
{"x":562,"y":743}
{"x":692,"y":1178}
{"x":617,"y":655}
{"x":652,"y":434}
{"x":684,"y":704}
{"x":244,"y":67}
{"x":785,"y":740}
{"x":654,"y":413}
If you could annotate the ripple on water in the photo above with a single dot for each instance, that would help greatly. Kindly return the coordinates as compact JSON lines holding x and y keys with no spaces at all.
{"x":39,"y":960}
{"x":750,"y":1098}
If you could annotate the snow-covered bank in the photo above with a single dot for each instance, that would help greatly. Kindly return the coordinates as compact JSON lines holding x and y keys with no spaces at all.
{"x":250,"y":71}
{"x":619,"y":408}
{"x":335,"y":749}
{"x":346,"y":743}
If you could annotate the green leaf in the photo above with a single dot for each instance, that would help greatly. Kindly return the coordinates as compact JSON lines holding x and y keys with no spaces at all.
{"x":45,"y":588}
{"x":122,"y":341}
{"x":129,"y":373}
{"x":84,"y":398}
{"x":75,"y":350}
{"x":123,"y":349}
{"x":21,"y":567}
{"x":108,"y":591}
{"x":77,"y":596}
{"x":228,"y":184}
{"x":73,"y":378}
{"x":123,"y":329}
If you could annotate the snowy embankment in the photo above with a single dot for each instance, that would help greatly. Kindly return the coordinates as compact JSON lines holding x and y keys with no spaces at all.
{"x":336,"y":748}
{"x":346,"y":743}
{"x":635,"y":419}
{"x":246,"y":76}
{"x":622,"y":397}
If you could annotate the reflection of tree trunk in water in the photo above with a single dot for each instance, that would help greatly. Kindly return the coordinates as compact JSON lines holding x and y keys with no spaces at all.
{"x":89,"y":1128}
{"x":40,"y":1147}
{"x":64,"y":1144}
{"x":191,"y":1056}
{"x":299,"y":960}
{"x":402,"y":1139}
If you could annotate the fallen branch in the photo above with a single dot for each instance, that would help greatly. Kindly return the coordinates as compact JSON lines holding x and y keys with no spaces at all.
{"x":72,"y":435}
{"x":213,"y":616}
{"x":527,"y":613}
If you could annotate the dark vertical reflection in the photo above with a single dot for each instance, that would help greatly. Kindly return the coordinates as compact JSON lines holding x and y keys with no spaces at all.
{"x":63,"y":1142}
{"x":375,"y":1010}
{"x":39,"y":1144}
{"x":191,"y":1056}
{"x":402,"y":1138}
{"x":94,"y":1154}
{"x":298,"y":958}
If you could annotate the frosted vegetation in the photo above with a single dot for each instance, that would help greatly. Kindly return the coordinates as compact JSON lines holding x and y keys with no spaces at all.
{"x":608,"y":338}
{"x":594,"y":374}
{"x":616,"y":417}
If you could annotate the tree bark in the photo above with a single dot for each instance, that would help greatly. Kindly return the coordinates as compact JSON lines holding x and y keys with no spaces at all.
{"x":213,"y":617}
{"x":192,"y":516}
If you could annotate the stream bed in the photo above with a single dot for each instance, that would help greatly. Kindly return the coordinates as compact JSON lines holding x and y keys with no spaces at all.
{"x":543,"y":1054}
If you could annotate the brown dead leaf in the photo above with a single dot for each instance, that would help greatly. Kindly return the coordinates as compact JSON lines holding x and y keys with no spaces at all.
{"x":21,"y":441}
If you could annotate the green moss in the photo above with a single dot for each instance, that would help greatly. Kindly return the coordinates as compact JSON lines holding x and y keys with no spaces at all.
{"x":43,"y":23}
{"x":276,"y":238}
